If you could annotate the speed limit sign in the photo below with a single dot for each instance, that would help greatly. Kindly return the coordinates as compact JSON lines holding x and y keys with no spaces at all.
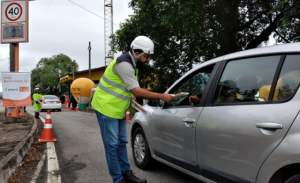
{"x":14,"y":21}
{"x":13,"y":11}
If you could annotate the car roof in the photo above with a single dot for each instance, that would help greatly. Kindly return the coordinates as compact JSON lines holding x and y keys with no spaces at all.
{"x":275,"y":49}
{"x":50,"y":96}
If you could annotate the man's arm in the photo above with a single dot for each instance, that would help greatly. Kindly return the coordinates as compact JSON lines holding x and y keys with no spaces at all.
{"x":145,"y":94}
{"x":126,"y":73}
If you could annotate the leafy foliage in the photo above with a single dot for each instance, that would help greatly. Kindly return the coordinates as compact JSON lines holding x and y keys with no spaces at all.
{"x":187,"y":33}
{"x":46,"y":74}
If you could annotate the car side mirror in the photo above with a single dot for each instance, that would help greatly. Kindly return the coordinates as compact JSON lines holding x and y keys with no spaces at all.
{"x":152,"y":103}
{"x":145,"y":101}
{"x":160,"y":103}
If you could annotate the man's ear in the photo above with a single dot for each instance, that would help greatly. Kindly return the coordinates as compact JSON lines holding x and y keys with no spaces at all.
{"x":136,"y":53}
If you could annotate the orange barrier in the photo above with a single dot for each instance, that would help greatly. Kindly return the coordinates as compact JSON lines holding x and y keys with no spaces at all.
{"x":48,"y":132}
{"x":77,"y":108}
{"x":15,"y":112}
{"x":128,"y":117}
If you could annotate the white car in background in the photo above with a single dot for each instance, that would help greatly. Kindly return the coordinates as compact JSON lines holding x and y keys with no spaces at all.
{"x":51,"y":102}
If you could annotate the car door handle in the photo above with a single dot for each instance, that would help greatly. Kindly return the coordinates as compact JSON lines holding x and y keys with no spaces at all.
{"x":269,"y":125}
{"x":189,"y":120}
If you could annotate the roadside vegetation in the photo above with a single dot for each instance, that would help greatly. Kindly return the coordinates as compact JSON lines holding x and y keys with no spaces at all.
{"x":46,"y":73}
{"x":187,"y":33}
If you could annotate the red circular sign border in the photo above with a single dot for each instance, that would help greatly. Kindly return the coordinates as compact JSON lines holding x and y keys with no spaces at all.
{"x":19,"y":15}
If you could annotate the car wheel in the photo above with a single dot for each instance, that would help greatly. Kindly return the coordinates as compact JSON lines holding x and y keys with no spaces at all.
{"x":294,"y":179}
{"x":59,"y":109}
{"x":140,"y":150}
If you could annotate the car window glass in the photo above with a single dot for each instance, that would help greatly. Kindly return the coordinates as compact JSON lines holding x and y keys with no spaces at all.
{"x":246,"y":80}
{"x":289,"y":78}
{"x":193,"y":84}
{"x":50,"y":97}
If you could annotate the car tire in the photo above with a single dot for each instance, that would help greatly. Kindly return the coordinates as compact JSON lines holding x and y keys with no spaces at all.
{"x":140,"y":150}
{"x":293,"y":179}
{"x":59,"y":110}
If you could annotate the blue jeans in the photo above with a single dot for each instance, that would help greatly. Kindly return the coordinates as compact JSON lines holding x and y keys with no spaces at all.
{"x":114,"y":136}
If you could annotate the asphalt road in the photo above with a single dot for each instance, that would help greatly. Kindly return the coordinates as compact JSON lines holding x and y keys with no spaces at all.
{"x":81,"y":154}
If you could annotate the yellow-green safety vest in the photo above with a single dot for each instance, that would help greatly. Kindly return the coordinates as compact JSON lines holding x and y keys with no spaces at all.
{"x":111,"y":97}
{"x":35,"y":97}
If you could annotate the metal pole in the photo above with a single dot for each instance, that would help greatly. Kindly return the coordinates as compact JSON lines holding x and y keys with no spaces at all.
{"x":12,"y":57}
{"x":17,"y":57}
{"x":89,"y":48}
{"x":73,"y":69}
{"x":59,"y":88}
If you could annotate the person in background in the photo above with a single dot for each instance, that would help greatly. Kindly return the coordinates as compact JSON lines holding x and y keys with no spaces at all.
{"x":111,"y":100}
{"x":290,"y":84}
{"x":37,"y":99}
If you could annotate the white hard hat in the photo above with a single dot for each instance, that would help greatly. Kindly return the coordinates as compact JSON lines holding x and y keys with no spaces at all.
{"x":36,"y":89}
{"x":143,"y":43}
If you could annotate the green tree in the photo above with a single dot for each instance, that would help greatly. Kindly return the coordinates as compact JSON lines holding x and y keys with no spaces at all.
{"x":188,"y":32}
{"x":46,"y":74}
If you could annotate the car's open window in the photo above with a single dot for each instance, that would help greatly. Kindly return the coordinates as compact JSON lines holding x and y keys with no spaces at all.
{"x":194,"y":84}
{"x":289,"y":78}
{"x":246,"y":80}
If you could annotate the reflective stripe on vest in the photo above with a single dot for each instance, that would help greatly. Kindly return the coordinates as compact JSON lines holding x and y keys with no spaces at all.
{"x":117,"y":85}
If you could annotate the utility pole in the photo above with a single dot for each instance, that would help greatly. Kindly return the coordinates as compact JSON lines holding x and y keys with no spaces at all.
{"x":73,"y":69}
{"x":89,"y":48}
{"x":59,"y":89}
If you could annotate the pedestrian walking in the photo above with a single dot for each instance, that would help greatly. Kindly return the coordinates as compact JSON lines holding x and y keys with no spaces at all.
{"x":111,"y":100}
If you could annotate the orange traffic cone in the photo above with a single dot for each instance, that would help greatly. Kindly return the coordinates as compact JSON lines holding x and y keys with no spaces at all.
{"x":47,"y":132}
{"x":128,"y":117}
{"x":77,"y":108}
{"x":71,"y":108}
{"x":67,"y":107}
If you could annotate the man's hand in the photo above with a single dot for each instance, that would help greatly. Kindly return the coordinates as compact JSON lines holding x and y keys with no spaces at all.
{"x":167,"y":97}
{"x":145,"y":94}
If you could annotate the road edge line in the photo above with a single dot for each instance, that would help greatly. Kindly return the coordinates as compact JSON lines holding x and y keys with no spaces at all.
{"x":52,"y":162}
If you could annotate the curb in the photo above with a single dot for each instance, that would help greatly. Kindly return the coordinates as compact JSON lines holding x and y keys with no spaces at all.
{"x":13,"y":159}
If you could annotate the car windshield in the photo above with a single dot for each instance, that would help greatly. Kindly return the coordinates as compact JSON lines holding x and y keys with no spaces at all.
{"x":50,"y":97}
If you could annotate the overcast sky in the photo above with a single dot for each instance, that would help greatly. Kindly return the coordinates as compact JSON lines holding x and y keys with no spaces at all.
{"x":60,"y":26}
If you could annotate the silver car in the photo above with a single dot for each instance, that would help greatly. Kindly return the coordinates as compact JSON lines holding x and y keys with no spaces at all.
{"x":51,"y":102}
{"x":244,"y":127}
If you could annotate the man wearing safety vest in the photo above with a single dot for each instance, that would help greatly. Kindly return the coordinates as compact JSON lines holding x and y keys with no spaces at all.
{"x":37,"y":99}
{"x":111,"y":100}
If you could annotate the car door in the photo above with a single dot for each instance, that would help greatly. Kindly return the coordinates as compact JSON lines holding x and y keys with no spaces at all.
{"x":243,"y":122}
{"x":173,"y":125}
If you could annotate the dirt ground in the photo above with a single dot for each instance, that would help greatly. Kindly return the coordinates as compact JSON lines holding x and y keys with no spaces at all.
{"x":14,"y":132}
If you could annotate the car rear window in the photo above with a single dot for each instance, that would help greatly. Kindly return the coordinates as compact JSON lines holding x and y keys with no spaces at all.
{"x":50,"y":97}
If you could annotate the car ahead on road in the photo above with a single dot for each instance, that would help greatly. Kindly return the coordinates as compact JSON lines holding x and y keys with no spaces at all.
{"x":246,"y":127}
{"x":51,"y":102}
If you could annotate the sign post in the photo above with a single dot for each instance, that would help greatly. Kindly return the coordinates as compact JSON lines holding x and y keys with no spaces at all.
{"x":14,"y":28}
